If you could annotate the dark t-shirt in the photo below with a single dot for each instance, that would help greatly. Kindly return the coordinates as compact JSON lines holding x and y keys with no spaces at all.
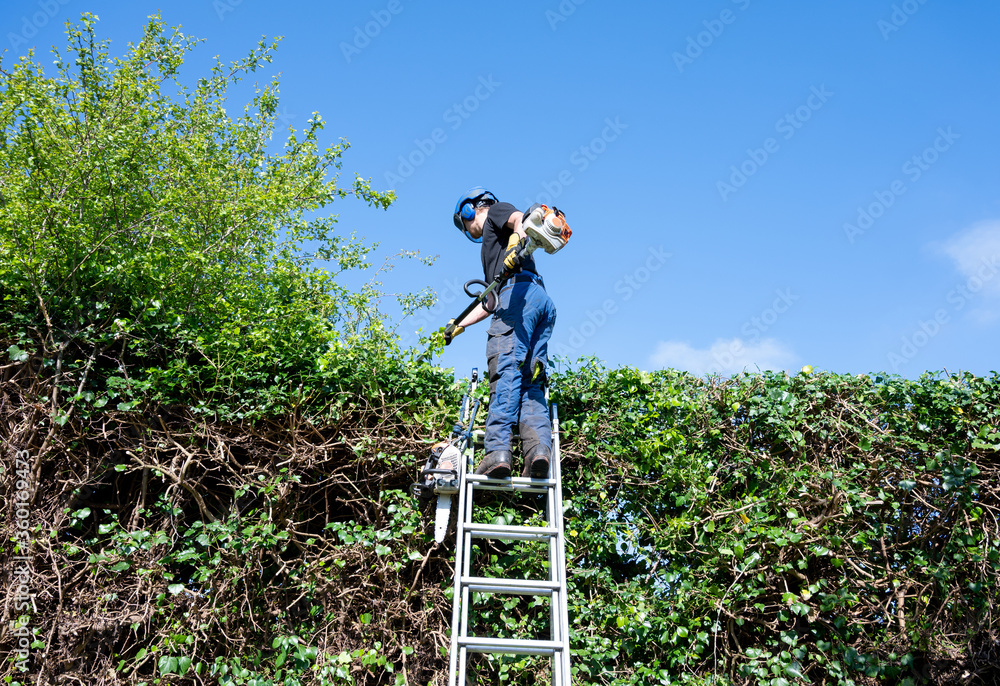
{"x":495,"y":238}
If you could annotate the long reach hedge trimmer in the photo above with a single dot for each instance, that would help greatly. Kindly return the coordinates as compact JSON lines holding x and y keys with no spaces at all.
{"x":546,"y":228}
{"x":440,"y":476}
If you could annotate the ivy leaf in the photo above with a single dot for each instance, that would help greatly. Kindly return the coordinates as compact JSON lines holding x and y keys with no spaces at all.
{"x":16,"y":354}
{"x":168,"y":665}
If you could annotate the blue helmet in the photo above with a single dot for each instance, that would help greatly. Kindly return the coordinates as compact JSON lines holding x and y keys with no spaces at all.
{"x":465,"y":208}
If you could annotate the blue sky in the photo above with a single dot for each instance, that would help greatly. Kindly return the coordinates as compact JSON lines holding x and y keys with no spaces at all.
{"x":750,"y":184}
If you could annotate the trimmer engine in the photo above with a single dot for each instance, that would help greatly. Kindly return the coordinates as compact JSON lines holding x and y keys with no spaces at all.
{"x":547,"y":227}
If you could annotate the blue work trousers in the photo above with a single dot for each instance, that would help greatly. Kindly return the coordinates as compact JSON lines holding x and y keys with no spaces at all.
{"x":518,"y":342}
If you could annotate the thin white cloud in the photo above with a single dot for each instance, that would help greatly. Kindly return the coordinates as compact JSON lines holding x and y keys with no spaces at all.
{"x":723,"y":357}
{"x":976,"y":253}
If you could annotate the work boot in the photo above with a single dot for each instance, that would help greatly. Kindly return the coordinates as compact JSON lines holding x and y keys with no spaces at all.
{"x":496,"y":465}
{"x":536,"y":463}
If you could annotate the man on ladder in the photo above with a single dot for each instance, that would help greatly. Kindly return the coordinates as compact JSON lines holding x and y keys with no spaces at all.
{"x":517,"y":345}
{"x":517,"y":352}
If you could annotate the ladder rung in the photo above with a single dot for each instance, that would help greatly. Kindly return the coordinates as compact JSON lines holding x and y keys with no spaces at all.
{"x":517,"y":483}
{"x":516,"y":488}
{"x":516,"y":533}
{"x":482,"y":584}
{"x":510,"y":646}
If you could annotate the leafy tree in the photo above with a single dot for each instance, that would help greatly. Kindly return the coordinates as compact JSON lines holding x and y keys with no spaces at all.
{"x":147,"y":233}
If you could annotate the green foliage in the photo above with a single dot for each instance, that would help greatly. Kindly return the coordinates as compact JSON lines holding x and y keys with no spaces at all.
{"x":154,"y":249}
{"x":777,"y":529}
{"x":764,"y":529}
{"x":163,"y":265}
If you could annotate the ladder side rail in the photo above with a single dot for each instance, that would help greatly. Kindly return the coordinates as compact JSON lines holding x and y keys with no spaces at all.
{"x":558,"y":601}
{"x":460,"y":540}
{"x":561,"y":550}
{"x":466,"y":596}
{"x":556,"y":569}
{"x":460,"y":631}
{"x":555,"y":574}
{"x":463,"y":632}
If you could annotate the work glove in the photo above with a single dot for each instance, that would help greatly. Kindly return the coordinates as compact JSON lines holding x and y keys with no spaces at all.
{"x":511,"y":259}
{"x":451,"y":331}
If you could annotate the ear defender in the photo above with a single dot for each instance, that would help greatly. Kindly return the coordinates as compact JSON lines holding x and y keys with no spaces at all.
{"x":465,"y":208}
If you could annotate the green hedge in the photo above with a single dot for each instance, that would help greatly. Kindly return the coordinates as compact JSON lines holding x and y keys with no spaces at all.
{"x":771,"y":529}
{"x":764,"y":529}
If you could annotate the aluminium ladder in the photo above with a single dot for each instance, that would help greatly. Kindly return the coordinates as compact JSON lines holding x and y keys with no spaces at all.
{"x":557,"y":647}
